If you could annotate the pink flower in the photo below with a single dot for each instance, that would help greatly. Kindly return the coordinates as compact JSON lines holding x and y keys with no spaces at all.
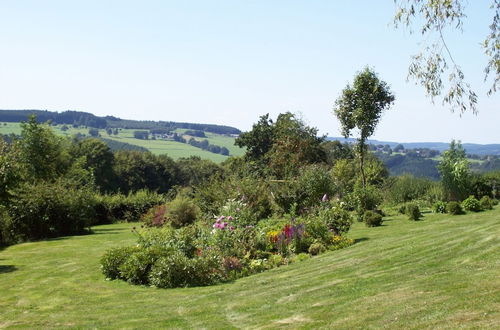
{"x":229,"y":218}
{"x":231,"y":228}
{"x":325,"y":198}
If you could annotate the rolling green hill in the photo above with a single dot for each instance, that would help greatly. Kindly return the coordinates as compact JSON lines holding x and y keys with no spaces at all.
{"x":439,"y":273}
{"x":172,"y":148}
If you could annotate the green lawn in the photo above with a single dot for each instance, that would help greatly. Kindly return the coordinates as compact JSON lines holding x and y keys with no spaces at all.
{"x":171,"y":148}
{"x":442,"y":272}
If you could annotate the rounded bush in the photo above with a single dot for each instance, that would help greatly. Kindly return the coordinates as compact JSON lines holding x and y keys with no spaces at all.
{"x":170,"y":271}
{"x":372,"y":219}
{"x":413,"y":211}
{"x":471,"y":204}
{"x":368,"y":198}
{"x":135,"y":269}
{"x":176,"y":270}
{"x":454,"y":208}
{"x":113,"y":259}
{"x":439,"y":207}
{"x":316,"y":248}
{"x":182,"y":212}
{"x":486,"y":203}
{"x":155,"y":217}
{"x":336,"y":218}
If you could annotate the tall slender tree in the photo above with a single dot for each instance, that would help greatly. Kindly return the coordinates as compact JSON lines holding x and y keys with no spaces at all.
{"x":360,"y":107}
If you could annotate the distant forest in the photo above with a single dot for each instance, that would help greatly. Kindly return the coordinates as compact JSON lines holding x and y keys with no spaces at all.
{"x":79,"y":118}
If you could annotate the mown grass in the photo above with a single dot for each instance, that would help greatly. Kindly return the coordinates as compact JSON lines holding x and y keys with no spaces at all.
{"x":441,"y":272}
{"x":171,"y":148}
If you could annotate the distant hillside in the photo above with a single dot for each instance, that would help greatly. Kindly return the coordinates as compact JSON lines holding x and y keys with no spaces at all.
{"x":67,"y":117}
{"x":470,"y":148}
{"x":79,"y":118}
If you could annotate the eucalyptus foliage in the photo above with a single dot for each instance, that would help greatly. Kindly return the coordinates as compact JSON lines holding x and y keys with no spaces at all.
{"x":436,"y":61}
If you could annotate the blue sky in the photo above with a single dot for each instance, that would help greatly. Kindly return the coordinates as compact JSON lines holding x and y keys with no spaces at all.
{"x":228,"y":62}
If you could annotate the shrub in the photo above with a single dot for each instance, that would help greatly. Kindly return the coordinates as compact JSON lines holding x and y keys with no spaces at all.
{"x":182,"y":212}
{"x":494,"y":201}
{"x":413,"y":211}
{"x":439,"y":207}
{"x":454,"y":208}
{"x":471,"y":204}
{"x":340,"y":242}
{"x":155,"y":217}
{"x":316,"y":230}
{"x":301,"y":257}
{"x":240,"y":213}
{"x":4,"y":224}
{"x":167,"y":238}
{"x":406,"y":188}
{"x":372,"y":219}
{"x":176,"y":270}
{"x":170,"y":271}
{"x":402,"y":209}
{"x":435,"y":193}
{"x":336,"y":218}
{"x":316,"y":248}
{"x":367,"y":199}
{"x":254,"y":193}
{"x":113,"y":259}
{"x":45,"y":210}
{"x":231,"y":265}
{"x":313,"y":183}
{"x":129,"y":208}
{"x":486,"y":203}
{"x":135,"y":269}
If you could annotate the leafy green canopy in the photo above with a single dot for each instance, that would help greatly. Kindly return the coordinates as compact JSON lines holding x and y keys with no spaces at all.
{"x":455,"y":173}
{"x":282,"y":147}
{"x":361,"y":106}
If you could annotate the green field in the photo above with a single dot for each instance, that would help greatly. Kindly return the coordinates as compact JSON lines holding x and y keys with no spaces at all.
{"x":171,"y":148}
{"x":439,"y":273}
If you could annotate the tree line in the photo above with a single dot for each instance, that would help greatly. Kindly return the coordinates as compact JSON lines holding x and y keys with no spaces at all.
{"x":79,"y":118}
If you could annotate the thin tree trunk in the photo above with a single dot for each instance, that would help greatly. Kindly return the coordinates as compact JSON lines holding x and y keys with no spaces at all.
{"x":362,"y":162}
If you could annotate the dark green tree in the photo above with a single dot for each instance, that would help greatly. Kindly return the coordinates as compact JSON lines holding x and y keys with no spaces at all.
{"x":142,"y":170}
{"x":42,"y":153}
{"x":282,"y":147}
{"x":10,"y":174}
{"x":259,"y":140}
{"x":98,"y":158}
{"x":93,"y":132}
{"x":195,"y":171}
{"x":294,"y":145}
{"x":360,"y":107}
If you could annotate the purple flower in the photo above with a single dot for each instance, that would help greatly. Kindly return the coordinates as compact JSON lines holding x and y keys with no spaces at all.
{"x":231,"y":228}
{"x":229,"y":218}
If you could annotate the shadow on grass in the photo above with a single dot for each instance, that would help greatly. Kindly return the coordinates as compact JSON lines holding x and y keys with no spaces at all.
{"x":7,"y":268}
{"x":101,"y":231}
{"x":359,"y":240}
